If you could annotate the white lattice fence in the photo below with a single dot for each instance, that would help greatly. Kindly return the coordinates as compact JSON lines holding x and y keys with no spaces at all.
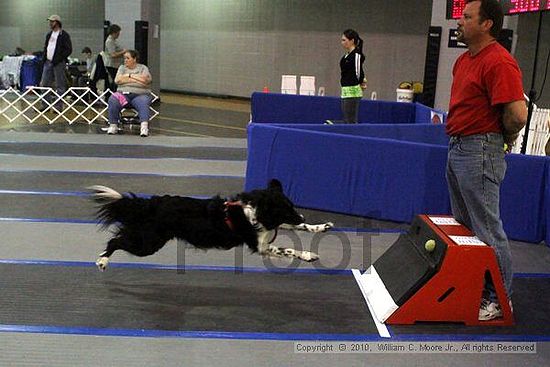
{"x":539,"y":133}
{"x":78,"y":104}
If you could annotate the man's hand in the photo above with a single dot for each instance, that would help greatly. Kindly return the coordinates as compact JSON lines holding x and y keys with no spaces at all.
{"x":510,"y":139}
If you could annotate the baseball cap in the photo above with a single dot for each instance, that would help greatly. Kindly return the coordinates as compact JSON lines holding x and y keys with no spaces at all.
{"x":55,"y":17}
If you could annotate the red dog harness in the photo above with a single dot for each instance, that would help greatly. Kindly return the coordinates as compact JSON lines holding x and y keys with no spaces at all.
{"x":227,"y":220}
{"x":230,"y":224}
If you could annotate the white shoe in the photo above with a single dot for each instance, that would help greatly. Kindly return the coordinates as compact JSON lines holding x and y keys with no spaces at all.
{"x":144,"y":131}
{"x":489,"y":310}
{"x":113,"y":129}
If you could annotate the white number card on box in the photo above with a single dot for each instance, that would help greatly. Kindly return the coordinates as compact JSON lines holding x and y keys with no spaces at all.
{"x":444,"y":221}
{"x":467,"y":240}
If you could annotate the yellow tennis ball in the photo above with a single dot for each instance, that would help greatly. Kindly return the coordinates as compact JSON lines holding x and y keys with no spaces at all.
{"x":429,"y":245}
{"x":505,"y":147}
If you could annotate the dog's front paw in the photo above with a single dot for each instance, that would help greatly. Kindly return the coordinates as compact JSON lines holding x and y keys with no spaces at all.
{"x":102,"y":263}
{"x":316,"y":228}
{"x":307,"y":256}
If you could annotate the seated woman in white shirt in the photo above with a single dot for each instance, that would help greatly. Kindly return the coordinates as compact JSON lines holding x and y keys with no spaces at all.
{"x":134,"y":81}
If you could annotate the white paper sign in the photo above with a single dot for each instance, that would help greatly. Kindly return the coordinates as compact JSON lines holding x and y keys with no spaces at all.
{"x":468,"y":240}
{"x":444,"y":221}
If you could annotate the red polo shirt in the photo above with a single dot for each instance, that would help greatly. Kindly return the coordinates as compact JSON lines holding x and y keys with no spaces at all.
{"x":481,"y":83}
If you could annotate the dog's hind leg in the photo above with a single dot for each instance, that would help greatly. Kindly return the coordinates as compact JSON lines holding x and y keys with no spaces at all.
{"x":137,"y":243}
{"x":103,"y":259}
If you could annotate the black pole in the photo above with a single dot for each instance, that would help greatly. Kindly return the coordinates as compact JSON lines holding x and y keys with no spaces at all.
{"x":532,"y":92}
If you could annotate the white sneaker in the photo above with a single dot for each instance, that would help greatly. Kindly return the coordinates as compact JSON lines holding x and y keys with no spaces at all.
{"x":144,"y":131}
{"x":113,"y":129}
{"x":489,"y":310}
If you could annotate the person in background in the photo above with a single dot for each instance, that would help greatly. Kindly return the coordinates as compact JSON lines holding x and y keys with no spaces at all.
{"x":486,"y":110}
{"x":57,"y":48}
{"x":134,"y":81}
{"x":113,"y":53}
{"x":20,"y":52}
{"x":88,"y":58}
{"x":352,"y":78}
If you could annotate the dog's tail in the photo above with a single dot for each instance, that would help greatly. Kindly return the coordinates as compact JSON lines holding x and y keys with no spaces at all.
{"x":103,"y":194}
{"x":115,"y":207}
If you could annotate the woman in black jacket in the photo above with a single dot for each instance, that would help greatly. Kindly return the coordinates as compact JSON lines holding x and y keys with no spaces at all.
{"x":352,"y":78}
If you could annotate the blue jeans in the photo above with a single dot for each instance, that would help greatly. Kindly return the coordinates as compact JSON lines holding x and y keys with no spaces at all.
{"x":51,"y":73}
{"x":475,"y":170}
{"x":140,"y":102}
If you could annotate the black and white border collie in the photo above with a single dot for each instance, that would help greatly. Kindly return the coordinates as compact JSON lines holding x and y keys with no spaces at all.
{"x":144,"y":225}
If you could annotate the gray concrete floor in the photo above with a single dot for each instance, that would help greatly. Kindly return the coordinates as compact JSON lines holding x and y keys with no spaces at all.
{"x":44,"y":217}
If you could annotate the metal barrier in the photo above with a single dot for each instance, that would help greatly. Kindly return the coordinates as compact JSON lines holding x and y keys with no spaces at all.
{"x":78,"y":103}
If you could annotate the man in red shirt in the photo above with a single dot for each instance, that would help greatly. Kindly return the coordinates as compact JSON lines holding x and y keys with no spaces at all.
{"x":486,"y":110}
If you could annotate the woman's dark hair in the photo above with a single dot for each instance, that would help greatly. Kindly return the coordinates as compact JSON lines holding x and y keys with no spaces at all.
{"x":491,"y":10}
{"x":353,"y":35}
{"x":114,"y":28}
{"x":86,"y":50}
{"x":134,"y":54}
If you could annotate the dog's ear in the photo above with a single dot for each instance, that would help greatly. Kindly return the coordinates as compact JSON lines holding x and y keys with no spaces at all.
{"x":276,"y":185}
